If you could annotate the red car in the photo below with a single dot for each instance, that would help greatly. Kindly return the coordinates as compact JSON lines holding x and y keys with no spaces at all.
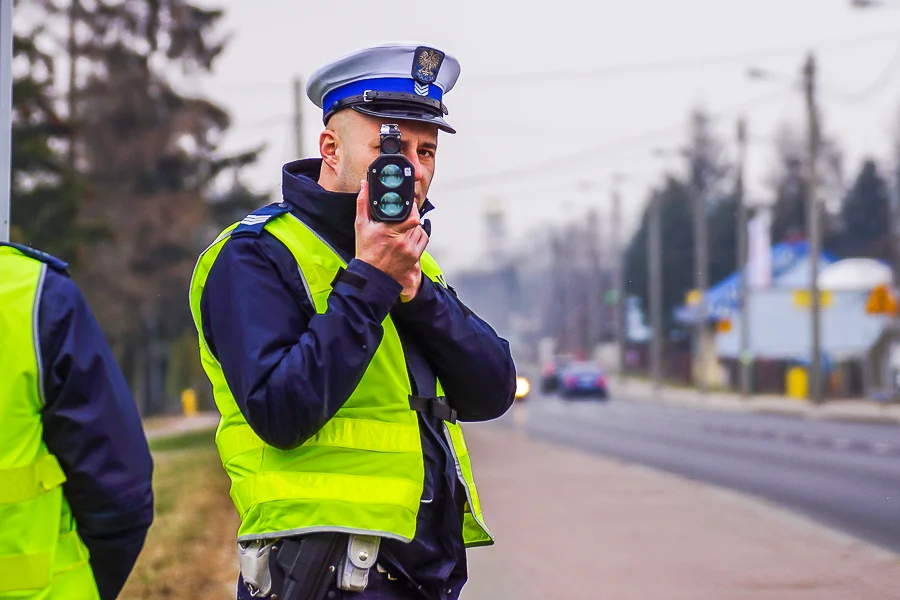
{"x":550,"y":373}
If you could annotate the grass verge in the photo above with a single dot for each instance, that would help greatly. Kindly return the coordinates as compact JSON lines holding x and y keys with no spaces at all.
{"x":190,"y":550}
{"x":195,"y":440}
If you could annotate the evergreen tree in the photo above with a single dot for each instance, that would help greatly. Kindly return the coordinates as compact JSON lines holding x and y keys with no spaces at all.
{"x":150,"y":158}
{"x":45,"y":194}
{"x":723,"y":223}
{"x":789,"y":183}
{"x":677,"y":251}
{"x":865,"y":217}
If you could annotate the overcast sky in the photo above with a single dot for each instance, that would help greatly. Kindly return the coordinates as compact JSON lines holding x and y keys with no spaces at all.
{"x":568,"y":91}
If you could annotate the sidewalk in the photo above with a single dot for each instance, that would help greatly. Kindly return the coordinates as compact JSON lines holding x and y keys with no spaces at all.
{"x":845,"y":410}
{"x":575,"y":526}
{"x":173,"y":425}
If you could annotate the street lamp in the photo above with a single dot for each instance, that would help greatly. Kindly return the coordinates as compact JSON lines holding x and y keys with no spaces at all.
{"x":762,"y":74}
{"x":655,"y":275}
{"x":616,"y":255}
{"x":618,"y":251}
{"x":813,"y":221}
{"x":863,"y":4}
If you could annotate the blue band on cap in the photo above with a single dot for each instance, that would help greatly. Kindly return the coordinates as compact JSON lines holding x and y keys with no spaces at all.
{"x":381,"y":84}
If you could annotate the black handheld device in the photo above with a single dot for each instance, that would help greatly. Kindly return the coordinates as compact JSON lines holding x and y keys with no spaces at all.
{"x":391,"y":178}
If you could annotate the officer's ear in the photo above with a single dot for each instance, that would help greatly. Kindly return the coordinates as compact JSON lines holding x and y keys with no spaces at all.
{"x":329,"y":145}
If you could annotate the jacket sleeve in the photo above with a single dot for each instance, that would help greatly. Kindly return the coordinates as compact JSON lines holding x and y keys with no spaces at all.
{"x":473,"y":363}
{"x":290,"y":370}
{"x":92,"y":426}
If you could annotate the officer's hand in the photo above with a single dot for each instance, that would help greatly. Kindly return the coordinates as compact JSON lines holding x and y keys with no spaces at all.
{"x":411,"y":283}
{"x":393,"y":248}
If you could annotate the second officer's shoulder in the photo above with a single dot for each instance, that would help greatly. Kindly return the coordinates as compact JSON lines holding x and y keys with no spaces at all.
{"x":51,"y":261}
{"x":254,"y":224}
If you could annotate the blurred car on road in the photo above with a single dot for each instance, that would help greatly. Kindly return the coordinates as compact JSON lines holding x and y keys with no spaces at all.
{"x":583,"y":378}
{"x":550,"y":373}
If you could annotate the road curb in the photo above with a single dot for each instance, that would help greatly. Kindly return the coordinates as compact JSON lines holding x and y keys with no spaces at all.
{"x":877,"y":415}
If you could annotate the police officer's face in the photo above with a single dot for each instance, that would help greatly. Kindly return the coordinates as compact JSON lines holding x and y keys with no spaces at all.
{"x":357,"y":143}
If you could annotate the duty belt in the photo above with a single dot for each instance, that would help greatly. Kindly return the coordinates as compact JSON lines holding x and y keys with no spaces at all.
{"x":433,"y":407}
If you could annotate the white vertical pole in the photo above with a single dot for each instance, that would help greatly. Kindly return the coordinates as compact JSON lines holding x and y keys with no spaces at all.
{"x":6,"y":56}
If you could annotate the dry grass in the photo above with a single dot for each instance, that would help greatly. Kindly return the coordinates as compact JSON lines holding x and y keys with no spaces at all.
{"x":190,"y":550}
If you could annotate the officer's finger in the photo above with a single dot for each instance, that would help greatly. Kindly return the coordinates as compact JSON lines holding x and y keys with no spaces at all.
{"x":362,"y":202}
{"x":419,"y":240}
{"x":412,"y":221}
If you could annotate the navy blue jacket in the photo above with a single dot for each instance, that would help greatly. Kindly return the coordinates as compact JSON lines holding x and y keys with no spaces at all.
{"x":291,"y":370}
{"x":92,"y":426}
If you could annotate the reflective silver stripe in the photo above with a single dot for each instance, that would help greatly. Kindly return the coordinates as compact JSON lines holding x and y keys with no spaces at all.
{"x":35,"y":332}
{"x":302,"y":276}
{"x":320,"y":529}
{"x":465,"y":483}
{"x":306,"y":287}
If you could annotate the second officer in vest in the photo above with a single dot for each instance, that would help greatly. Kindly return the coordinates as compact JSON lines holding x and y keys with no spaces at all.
{"x":75,"y":472}
{"x":341,"y":361}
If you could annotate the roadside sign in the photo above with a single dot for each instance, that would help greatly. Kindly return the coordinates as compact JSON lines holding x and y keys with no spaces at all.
{"x":802,"y":299}
{"x":693,"y":298}
{"x":881,"y":301}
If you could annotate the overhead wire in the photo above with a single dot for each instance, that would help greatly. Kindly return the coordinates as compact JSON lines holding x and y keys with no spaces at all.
{"x":878,"y":84}
{"x":880,"y":81}
{"x":589,"y":154}
{"x":620,"y":69}
{"x":688,"y":63}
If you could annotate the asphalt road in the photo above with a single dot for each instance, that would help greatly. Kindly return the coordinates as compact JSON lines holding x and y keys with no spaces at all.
{"x":844,"y":475}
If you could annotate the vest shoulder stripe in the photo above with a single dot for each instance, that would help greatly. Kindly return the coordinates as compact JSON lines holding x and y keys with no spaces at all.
{"x":48,"y":259}
{"x":255,"y":223}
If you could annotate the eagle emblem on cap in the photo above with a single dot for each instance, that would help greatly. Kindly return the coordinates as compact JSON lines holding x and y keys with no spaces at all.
{"x":426,"y":64}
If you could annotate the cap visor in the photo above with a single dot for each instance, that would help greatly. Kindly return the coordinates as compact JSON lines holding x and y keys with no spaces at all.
{"x":405,"y":115}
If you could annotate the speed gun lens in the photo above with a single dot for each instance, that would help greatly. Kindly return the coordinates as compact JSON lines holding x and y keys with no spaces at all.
{"x":391,"y":204}
{"x":391,"y":176}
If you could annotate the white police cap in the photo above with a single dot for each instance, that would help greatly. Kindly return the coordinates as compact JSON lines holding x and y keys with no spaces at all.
{"x":405,"y":81}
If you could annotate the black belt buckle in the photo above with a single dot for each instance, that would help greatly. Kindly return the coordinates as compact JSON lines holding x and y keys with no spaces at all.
{"x":433,"y":407}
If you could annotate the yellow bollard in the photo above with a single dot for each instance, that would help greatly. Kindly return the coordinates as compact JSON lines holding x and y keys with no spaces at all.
{"x":189,"y":402}
{"x":797,"y":384}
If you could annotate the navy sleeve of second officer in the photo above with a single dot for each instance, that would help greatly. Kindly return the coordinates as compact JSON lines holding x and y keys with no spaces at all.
{"x":92,"y":426}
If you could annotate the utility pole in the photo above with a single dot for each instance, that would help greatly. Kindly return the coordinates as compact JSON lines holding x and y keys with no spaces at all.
{"x":889,"y":374}
{"x":894,"y":191}
{"x":73,"y":83}
{"x":298,"y":117}
{"x":744,"y":355}
{"x":6,"y":56}
{"x":815,"y":235}
{"x":618,"y":255}
{"x":594,"y":279}
{"x":654,"y":258}
{"x":888,"y":371}
{"x":701,"y":272}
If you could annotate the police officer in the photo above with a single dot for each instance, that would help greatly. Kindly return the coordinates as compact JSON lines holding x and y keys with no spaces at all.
{"x":75,"y":489}
{"x":341,"y":361}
